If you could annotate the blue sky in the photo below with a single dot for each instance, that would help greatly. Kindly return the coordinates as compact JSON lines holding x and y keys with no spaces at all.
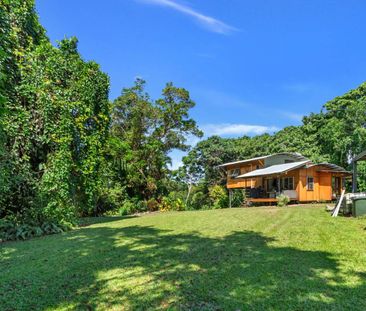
{"x":251,"y":66}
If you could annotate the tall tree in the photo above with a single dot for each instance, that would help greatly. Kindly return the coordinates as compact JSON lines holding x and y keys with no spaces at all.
{"x":147,"y":131}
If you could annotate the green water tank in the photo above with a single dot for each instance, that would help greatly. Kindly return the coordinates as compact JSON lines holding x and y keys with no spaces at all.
{"x":359,"y":207}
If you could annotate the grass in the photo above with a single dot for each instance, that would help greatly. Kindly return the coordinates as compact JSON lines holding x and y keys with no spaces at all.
{"x":234,"y":259}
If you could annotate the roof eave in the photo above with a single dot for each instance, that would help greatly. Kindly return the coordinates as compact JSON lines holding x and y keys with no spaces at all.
{"x":251,"y":176}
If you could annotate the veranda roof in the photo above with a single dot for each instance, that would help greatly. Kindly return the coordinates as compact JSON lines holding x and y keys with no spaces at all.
{"x":274,"y":169}
{"x":330,"y":167}
{"x":360,"y":157}
{"x":294,"y":155}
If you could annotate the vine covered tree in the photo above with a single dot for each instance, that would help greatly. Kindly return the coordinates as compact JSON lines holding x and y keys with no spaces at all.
{"x":54,"y":121}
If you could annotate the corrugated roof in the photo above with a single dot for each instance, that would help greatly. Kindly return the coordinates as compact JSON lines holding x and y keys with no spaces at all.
{"x":295,"y":155}
{"x":360,"y":157}
{"x":274,"y":169}
{"x":243,"y":161}
{"x":330,"y":167}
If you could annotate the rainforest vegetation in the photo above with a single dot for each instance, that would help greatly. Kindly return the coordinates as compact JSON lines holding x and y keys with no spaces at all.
{"x":67,"y":151}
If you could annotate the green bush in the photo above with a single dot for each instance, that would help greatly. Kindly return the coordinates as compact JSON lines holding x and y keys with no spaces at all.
{"x":11,"y":229}
{"x":110,"y":199}
{"x":282,"y":200}
{"x":238,"y":197}
{"x":199,"y":199}
{"x":218,"y":197}
{"x":141,"y":205}
{"x":132,"y":206}
{"x":127,"y":208}
{"x":172,"y":202}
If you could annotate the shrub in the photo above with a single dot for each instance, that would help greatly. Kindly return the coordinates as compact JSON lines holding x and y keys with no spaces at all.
{"x":152,"y":205}
{"x":218,"y":197}
{"x":110,"y":199}
{"x":283,"y":200}
{"x":13,"y":229}
{"x":172,"y":202}
{"x":141,"y":205}
{"x":133,"y":205}
{"x":127,"y":208}
{"x":199,"y":199}
{"x":238,"y":197}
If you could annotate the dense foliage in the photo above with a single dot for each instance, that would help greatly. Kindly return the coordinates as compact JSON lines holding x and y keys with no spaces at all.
{"x":54,"y":124}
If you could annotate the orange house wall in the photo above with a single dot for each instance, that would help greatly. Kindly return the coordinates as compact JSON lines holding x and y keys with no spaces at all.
{"x":322,"y":185}
{"x":244,"y":183}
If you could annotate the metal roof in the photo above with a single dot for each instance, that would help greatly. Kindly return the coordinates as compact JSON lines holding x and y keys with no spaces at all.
{"x":244,"y":161}
{"x":295,"y":155}
{"x":360,"y":157}
{"x":274,"y":169}
{"x":330,"y":167}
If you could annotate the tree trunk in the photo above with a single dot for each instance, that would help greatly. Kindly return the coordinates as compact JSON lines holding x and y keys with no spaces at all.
{"x":189,"y":192}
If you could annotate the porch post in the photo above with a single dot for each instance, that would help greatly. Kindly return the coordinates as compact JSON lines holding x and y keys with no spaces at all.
{"x":279,"y":184}
{"x":354,"y":177}
{"x":230,"y":195}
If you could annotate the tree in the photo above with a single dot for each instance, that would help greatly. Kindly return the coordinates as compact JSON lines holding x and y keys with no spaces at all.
{"x":55,"y":122}
{"x":146,"y":131}
{"x":340,"y":128}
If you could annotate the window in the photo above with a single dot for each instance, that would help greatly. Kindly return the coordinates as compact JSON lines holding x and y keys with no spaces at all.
{"x":287,"y":183}
{"x":310,"y":183}
{"x":234,"y":173}
{"x":271,"y":184}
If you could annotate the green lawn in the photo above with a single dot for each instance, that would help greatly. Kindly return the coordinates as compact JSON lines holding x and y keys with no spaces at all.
{"x":234,"y":259}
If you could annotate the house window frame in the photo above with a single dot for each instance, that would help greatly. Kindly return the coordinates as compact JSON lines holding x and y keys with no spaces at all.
{"x":292,"y":183}
{"x":308,"y":187}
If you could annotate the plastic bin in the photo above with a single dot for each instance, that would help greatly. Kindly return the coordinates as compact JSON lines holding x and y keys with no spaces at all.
{"x":359,"y":207}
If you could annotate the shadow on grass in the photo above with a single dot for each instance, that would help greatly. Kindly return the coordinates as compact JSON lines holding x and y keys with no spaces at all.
{"x":147,"y":268}
{"x":87,"y":221}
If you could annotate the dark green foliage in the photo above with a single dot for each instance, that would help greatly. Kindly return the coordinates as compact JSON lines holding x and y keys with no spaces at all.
{"x":54,"y":123}
{"x":128,"y":207}
{"x":13,"y":229}
{"x":238,"y":197}
{"x":340,"y":128}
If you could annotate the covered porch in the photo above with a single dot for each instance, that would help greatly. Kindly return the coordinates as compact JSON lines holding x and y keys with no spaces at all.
{"x":266,"y":189}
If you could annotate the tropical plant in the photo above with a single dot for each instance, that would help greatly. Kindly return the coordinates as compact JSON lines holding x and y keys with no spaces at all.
{"x":282,"y":200}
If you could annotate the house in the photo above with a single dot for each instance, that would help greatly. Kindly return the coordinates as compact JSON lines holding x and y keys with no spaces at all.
{"x":265,"y":178}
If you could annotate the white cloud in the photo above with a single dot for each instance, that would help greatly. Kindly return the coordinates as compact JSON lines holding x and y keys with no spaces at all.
{"x":227,"y":129}
{"x":208,"y":22}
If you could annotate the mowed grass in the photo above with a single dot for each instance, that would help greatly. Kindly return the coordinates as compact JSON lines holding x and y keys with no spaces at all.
{"x":296,"y":258}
